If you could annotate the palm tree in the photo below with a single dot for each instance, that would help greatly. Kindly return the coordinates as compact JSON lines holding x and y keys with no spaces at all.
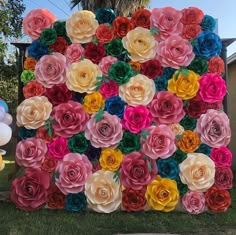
{"x":120,"y":7}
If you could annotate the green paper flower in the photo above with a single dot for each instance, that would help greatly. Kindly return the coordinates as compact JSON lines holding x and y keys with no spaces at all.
{"x":78,"y":143}
{"x":120,"y":72}
{"x":115,"y":48}
{"x":179,"y":156}
{"x":105,"y":15}
{"x":129,"y":143}
{"x":26,"y":76}
{"x":60,"y":28}
{"x":183,"y":188}
{"x":48,"y":36}
{"x":198,"y":65}
{"x":188,"y":123}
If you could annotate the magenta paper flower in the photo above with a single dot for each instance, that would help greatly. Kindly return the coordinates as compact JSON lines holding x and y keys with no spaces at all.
{"x":166,"y":108}
{"x":73,"y":53}
{"x":167,"y":20}
{"x":105,"y":63}
{"x":136,"y":118}
{"x":36,"y":21}
{"x":137,"y":171}
{"x":175,"y":52}
{"x":109,"y":89}
{"x":70,"y":118}
{"x":212,"y":88}
{"x":105,"y":133}
{"x":73,"y":170}
{"x":160,"y":142}
{"x":51,"y":70}
{"x":222,"y":157}
{"x":194,"y":202}
{"x":31,"y":152}
{"x":29,"y":192}
{"x":58,"y":148}
{"x":214,"y":128}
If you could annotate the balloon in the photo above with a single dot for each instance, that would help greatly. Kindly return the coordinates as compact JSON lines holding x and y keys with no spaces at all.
{"x":2,"y":113}
{"x":4,"y":105}
{"x":2,"y":152}
{"x":2,"y":164}
{"x":5,"y":133}
{"x":7,"y":119}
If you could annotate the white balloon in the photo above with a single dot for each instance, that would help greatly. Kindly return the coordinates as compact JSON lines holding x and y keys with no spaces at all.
{"x":5,"y":133}
{"x":7,"y":119}
{"x":2,"y":113}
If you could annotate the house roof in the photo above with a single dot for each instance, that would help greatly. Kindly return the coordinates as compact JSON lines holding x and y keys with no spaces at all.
{"x":231,"y":58}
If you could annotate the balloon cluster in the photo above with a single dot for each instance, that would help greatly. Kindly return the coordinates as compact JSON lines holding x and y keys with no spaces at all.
{"x":5,"y":129}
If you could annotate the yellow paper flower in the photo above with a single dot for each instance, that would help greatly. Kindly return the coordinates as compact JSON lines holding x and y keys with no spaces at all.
{"x":81,"y":26}
{"x":185,"y":87}
{"x":198,"y":172}
{"x":81,"y":76}
{"x":2,"y":164}
{"x":162,"y":194}
{"x":33,"y":112}
{"x":140,"y":44}
{"x":110,"y":159}
{"x":102,"y":192}
{"x":140,"y":90}
{"x":93,"y":102}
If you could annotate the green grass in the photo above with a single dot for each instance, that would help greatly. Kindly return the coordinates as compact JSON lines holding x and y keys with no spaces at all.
{"x":16,"y":222}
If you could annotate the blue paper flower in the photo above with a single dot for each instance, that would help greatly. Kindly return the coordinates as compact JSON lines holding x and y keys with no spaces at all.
{"x":205,"y":149}
{"x":93,"y":153}
{"x":75,"y":202}
{"x":168,"y":168}
{"x":161,"y":83}
{"x":208,"y":23}
{"x":105,"y":15}
{"x":168,"y":72}
{"x":37,"y":49}
{"x":115,"y":106}
{"x":207,"y":45}
{"x":26,"y":133}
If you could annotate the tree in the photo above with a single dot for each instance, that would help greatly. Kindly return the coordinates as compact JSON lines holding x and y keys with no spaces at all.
{"x":120,"y":7}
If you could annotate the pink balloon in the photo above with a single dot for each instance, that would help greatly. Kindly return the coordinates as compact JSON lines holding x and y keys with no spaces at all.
{"x":7,"y":119}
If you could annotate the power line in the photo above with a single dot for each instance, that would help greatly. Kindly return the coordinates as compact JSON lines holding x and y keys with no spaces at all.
{"x":67,"y":3}
{"x":57,"y":7}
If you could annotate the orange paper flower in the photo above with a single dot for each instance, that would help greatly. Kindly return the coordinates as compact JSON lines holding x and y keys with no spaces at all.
{"x":30,"y":63}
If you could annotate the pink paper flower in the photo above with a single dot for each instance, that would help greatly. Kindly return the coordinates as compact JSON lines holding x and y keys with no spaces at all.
{"x":214,"y":128}
{"x":109,"y":89}
{"x":29,"y":192}
{"x":194,"y":202}
{"x":212,"y":87}
{"x":166,"y":108}
{"x":105,"y":133}
{"x":31,"y":152}
{"x":51,"y":70}
{"x":58,"y":148}
{"x":105,"y":63}
{"x":167,"y":20}
{"x":73,"y":53}
{"x":136,"y":118}
{"x":137,"y":171}
{"x":70,"y":119}
{"x":175,"y":52}
{"x":222,"y":157}
{"x":74,"y":169}
{"x":36,"y":21}
{"x":224,"y":177}
{"x":160,"y":143}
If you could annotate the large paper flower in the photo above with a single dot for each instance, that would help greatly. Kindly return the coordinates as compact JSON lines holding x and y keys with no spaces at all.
{"x":31,"y":152}
{"x":73,"y":172}
{"x":102,"y":192}
{"x":70,"y":118}
{"x":166,"y":108}
{"x":36,"y":21}
{"x":162,"y":194}
{"x":104,"y":133}
{"x":74,"y":53}
{"x":160,"y":143}
{"x":81,"y":76}
{"x":137,"y":171}
{"x":81,"y":26}
{"x":214,"y":128}
{"x":29,"y":192}
{"x":51,"y":70}
{"x":222,"y":157}
{"x":140,"y":44}
{"x":198,"y":172}
{"x":140,"y":90}
{"x":33,"y":112}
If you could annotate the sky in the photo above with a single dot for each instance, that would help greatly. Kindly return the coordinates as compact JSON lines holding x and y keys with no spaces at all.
{"x":224,"y":11}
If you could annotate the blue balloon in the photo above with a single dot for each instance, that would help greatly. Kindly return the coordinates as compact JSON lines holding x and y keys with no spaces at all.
{"x":4,"y":105}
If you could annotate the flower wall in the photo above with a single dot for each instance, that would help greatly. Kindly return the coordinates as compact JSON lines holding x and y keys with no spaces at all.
{"x":123,"y":113}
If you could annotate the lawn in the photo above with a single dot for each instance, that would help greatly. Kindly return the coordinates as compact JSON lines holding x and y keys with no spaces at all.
{"x":16,"y":222}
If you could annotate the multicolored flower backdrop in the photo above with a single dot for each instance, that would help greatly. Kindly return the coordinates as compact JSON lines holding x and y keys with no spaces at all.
{"x":123,"y":113}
